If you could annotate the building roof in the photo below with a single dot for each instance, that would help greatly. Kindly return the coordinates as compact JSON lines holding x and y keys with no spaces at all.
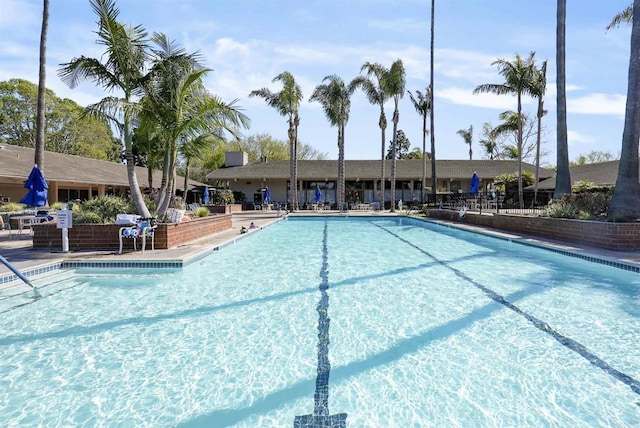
{"x":16,"y":163}
{"x":601,"y":173}
{"x":406,"y":169}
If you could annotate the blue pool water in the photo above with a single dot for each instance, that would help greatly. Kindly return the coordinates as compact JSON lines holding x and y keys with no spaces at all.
{"x":379,"y":322}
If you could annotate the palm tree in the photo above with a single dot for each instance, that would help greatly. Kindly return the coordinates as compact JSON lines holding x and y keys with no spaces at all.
{"x":626,"y":16}
{"x":625,"y":203}
{"x":422,"y":103}
{"x":287,"y":102}
{"x":184,"y":110}
{"x":488,"y":142}
{"x":42,"y":74}
{"x":125,"y":56}
{"x":434,"y":182}
{"x":538,"y":90}
{"x":518,"y":75}
{"x":335,"y":98}
{"x":467,"y":136}
{"x":372,"y":83}
{"x":394,"y":83}
{"x":563,"y":176}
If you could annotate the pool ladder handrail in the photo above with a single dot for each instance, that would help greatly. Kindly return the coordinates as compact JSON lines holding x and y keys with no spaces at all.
{"x":36,"y":293}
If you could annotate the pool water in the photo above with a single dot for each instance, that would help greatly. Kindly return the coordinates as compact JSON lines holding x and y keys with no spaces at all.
{"x":376,"y":321}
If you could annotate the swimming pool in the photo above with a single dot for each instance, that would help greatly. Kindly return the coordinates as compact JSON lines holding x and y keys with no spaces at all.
{"x":378,"y":321}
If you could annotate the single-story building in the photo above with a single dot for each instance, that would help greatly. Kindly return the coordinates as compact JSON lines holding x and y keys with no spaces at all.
{"x":600,"y":174}
{"x":361,"y":177}
{"x":69,"y":177}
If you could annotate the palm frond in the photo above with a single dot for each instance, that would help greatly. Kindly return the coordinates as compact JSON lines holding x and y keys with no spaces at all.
{"x":626,"y":17}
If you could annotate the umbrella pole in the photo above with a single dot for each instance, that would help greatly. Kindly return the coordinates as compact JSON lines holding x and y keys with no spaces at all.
{"x":36,"y":293}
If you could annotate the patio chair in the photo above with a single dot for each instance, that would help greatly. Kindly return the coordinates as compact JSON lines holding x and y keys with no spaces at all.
{"x":144,"y":228}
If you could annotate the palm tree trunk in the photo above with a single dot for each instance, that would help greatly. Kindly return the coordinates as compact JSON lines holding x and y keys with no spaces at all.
{"x":563,"y":177}
{"x":292,"y":173}
{"x":423,"y":193}
{"x":520,"y":194}
{"x":434,"y":183}
{"x":295,"y":161}
{"x":396,"y":117}
{"x":625,"y":204}
{"x":341,"y":172}
{"x":383,"y":126}
{"x":540,"y":114}
{"x":40,"y":109}
{"x":134,"y":187}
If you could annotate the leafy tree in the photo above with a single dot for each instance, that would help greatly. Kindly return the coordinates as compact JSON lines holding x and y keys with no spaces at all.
{"x":335,"y":97}
{"x":422,"y":103}
{"x":563,"y":175}
{"x":416,"y":153}
{"x":67,"y":129}
{"x":287,"y":103}
{"x":264,"y":145}
{"x":506,"y":136}
{"x":593,"y":156}
{"x":625,"y":203}
{"x":467,"y":136}
{"x":122,"y":69}
{"x":402,"y":144}
{"x":518,"y":75}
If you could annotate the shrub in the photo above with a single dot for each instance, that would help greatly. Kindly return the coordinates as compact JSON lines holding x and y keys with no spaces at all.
{"x":88,"y":217}
{"x":583,"y":206}
{"x":239,"y":196}
{"x":562,"y":209}
{"x":11,"y":207}
{"x":57,"y":206}
{"x":222,"y":197}
{"x":202,"y":212}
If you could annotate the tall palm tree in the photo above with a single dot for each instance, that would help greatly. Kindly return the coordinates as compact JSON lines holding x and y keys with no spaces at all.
{"x":123,"y":68}
{"x":467,"y":136}
{"x":42,"y":75}
{"x":518,"y":75}
{"x":395,"y":83}
{"x":625,"y":203}
{"x":372,"y":84}
{"x":434,"y":182}
{"x":287,"y":103}
{"x":422,"y":103}
{"x":538,"y":90}
{"x":335,"y":98}
{"x":563,"y":176}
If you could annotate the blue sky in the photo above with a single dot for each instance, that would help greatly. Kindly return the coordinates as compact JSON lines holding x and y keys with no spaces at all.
{"x":248,"y":42}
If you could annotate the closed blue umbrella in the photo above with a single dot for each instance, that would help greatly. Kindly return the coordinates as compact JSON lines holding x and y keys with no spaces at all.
{"x":475,"y":183}
{"x":318,"y":195}
{"x":37,"y":185}
{"x":267,"y":195}
{"x":205,"y":195}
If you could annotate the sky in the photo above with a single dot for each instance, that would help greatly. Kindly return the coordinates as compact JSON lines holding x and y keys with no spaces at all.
{"x":248,"y":42}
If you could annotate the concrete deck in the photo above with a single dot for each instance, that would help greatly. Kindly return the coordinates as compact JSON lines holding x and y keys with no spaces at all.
{"x":18,"y":248}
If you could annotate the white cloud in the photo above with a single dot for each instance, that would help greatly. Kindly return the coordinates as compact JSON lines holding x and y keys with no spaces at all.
{"x":575,"y":138}
{"x":400,"y":25}
{"x":465,"y":96}
{"x":18,"y":13}
{"x":598,"y":103}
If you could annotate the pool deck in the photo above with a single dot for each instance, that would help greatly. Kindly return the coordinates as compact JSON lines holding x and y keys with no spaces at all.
{"x":17,"y":249}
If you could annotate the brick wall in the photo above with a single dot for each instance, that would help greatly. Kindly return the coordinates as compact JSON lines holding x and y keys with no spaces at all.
{"x":86,"y":237}
{"x":612,"y":236}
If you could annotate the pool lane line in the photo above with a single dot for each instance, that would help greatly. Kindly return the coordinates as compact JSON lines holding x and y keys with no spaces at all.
{"x":539,"y":324}
{"x":321,"y":415}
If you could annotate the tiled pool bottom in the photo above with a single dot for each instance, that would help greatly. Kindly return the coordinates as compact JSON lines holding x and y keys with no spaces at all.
{"x":300,"y":325}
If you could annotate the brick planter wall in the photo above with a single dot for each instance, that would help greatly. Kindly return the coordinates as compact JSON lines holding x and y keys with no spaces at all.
{"x":224,"y":209}
{"x":88,"y":237}
{"x":612,"y":236}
